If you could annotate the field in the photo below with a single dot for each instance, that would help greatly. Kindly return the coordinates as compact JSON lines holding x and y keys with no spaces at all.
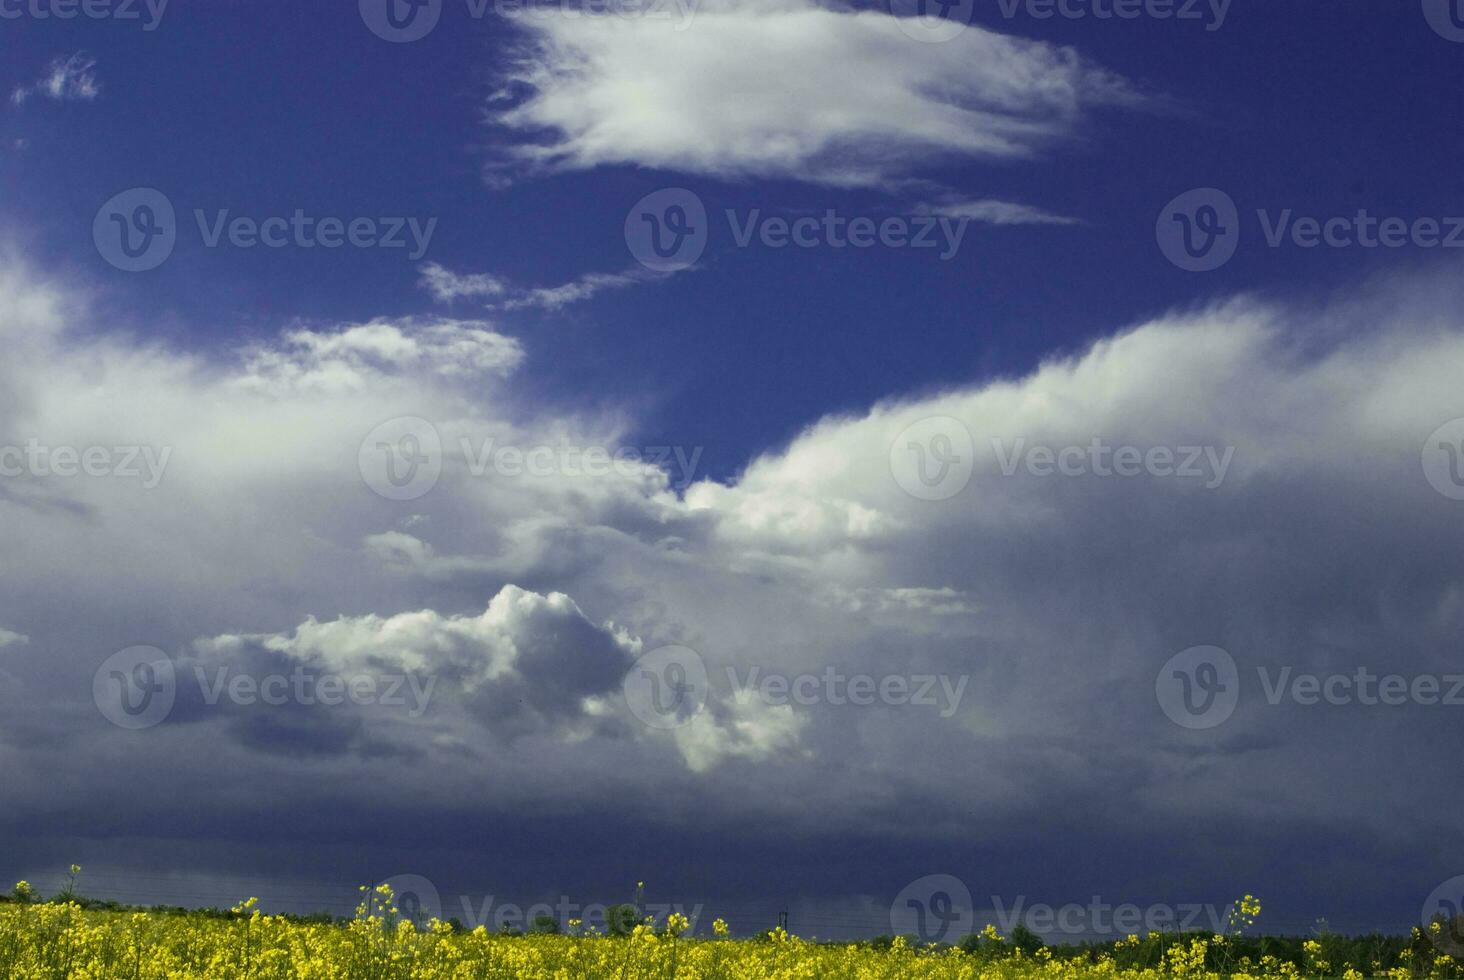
{"x":63,"y":939}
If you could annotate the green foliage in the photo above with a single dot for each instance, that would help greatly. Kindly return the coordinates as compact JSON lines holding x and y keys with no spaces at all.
{"x":621,"y":920}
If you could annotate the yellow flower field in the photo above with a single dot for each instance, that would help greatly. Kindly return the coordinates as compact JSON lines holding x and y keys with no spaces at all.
{"x":61,"y":940}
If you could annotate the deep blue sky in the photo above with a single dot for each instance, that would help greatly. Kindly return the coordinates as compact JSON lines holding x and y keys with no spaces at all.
{"x":264,"y":107}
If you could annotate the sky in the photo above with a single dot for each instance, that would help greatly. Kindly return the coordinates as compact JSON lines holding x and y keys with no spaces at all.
{"x":907,"y":466}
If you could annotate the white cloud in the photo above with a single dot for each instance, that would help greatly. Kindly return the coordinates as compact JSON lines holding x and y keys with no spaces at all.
{"x":71,"y":79}
{"x":1059,"y":596}
{"x":998,"y":213}
{"x":742,"y":727}
{"x":9,"y":638}
{"x":585,"y":287}
{"x":447,"y":286}
{"x":354,"y":357}
{"x":789,"y":88}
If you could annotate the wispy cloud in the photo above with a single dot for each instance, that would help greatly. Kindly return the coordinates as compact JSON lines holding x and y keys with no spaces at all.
{"x":990,"y":211}
{"x":817,"y":93}
{"x":70,"y":79}
{"x":447,"y":286}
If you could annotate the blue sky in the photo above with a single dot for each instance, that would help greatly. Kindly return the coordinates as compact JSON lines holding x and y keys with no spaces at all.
{"x":1319,"y":110}
{"x":766,"y":394}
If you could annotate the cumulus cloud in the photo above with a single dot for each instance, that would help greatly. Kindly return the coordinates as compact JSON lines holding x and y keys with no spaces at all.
{"x":71,"y":79}
{"x":801,"y":90}
{"x":1058,"y":595}
{"x":9,"y":638}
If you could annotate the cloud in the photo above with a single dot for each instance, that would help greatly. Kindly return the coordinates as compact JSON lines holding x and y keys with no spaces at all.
{"x":353,"y":357}
{"x":800,"y":91}
{"x":447,"y":286}
{"x":585,"y":287}
{"x":527,"y":663}
{"x":1058,"y":597}
{"x":997,"y":213}
{"x":9,"y":638}
{"x":71,"y":79}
